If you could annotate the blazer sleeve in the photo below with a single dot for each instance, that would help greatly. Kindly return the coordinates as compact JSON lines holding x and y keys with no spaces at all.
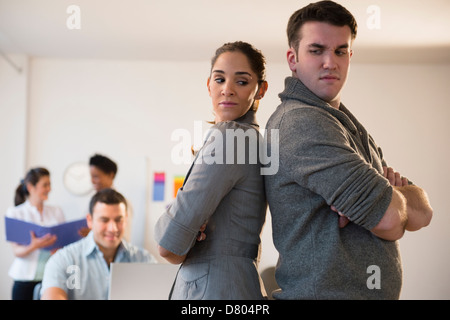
{"x":210,"y":179}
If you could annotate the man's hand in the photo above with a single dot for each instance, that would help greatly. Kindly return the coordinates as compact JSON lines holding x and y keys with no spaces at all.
{"x":395,"y":179}
{"x":419,"y":208}
{"x":343,"y":220}
{"x":54,"y":293}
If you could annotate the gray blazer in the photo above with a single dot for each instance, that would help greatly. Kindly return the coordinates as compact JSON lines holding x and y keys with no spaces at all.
{"x":230,"y":197}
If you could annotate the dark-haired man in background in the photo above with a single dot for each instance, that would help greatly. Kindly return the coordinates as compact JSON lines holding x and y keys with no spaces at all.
{"x":103,"y":171}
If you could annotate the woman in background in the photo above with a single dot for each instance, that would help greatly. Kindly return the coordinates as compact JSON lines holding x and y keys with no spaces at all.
{"x":28,"y":266}
{"x":228,"y":197}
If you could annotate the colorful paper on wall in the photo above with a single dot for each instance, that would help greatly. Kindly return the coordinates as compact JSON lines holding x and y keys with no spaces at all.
{"x":158,"y":186}
{"x":177,"y":184}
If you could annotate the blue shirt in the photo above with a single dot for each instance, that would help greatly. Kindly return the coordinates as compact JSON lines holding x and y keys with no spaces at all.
{"x":82,"y":272}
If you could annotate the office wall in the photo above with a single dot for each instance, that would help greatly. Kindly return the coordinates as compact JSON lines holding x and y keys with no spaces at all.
{"x":129,"y":109}
{"x":13,"y":119}
{"x":405,"y":108}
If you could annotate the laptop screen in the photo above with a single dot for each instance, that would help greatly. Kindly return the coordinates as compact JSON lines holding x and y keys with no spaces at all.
{"x":141,"y":281}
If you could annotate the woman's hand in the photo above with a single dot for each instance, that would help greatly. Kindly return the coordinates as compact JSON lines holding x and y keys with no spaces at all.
{"x":42,"y":242}
{"x":35,"y":243}
{"x":201,"y":235}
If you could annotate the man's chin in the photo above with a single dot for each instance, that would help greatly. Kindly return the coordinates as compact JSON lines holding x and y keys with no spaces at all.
{"x":110,"y":242}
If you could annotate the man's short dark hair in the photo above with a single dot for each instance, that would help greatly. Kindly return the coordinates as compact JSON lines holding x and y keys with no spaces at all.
{"x":103,"y":163}
{"x":107,"y":196}
{"x":322,"y":11}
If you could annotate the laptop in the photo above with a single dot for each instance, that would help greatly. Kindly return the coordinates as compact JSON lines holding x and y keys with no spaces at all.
{"x":141,"y":281}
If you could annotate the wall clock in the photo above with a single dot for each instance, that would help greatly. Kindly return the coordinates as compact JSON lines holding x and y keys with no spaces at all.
{"x":77,"y":179}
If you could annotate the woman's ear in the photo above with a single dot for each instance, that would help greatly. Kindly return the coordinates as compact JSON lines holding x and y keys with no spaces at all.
{"x":262,"y":90}
{"x":29,"y":186}
{"x":207,"y":84}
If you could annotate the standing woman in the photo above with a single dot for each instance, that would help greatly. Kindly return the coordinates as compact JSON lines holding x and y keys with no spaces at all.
{"x":28,"y":266}
{"x":226,"y":196}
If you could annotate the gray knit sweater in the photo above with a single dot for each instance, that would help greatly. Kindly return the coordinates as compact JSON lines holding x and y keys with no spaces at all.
{"x":328,"y":158}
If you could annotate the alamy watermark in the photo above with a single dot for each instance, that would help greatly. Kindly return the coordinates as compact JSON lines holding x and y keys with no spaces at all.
{"x":374,"y":280}
{"x":374,"y":20}
{"x":74,"y":279}
{"x":234,"y":146}
{"x":74,"y":20}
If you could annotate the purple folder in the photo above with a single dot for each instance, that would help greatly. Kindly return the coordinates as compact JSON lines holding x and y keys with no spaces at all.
{"x":19,"y":231}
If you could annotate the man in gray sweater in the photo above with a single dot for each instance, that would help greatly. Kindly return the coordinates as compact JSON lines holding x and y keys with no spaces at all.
{"x":337,"y":209}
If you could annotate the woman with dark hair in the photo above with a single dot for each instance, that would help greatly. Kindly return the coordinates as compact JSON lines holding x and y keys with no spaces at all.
{"x":223,"y":190}
{"x":28,"y":266}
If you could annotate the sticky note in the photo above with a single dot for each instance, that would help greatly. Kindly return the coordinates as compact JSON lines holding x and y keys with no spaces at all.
{"x":158,"y":186}
{"x":177,"y":184}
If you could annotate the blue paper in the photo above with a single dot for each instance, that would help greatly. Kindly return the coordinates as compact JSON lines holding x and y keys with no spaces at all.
{"x":18,"y":231}
{"x":158,"y":191}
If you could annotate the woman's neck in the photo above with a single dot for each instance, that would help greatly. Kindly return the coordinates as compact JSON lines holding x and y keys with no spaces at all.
{"x":39,"y":204}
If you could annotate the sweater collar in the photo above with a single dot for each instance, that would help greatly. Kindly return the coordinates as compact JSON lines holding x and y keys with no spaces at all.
{"x":296,"y":90}
{"x":249,"y":118}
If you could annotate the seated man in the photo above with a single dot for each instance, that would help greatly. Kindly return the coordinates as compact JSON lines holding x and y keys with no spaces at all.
{"x":81,"y":269}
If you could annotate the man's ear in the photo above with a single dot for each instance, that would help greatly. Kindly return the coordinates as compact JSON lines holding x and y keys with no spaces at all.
{"x":291,"y":56}
{"x":89,"y":220}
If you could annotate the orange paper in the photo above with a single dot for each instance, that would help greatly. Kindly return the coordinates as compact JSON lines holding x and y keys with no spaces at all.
{"x":177,"y":184}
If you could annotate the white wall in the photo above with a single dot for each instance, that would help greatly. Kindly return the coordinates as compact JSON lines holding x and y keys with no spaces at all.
{"x":13,"y":119}
{"x":128,"y":110}
{"x":405,"y":108}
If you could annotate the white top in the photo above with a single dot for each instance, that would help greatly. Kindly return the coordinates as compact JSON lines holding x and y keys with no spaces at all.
{"x":25,"y":268}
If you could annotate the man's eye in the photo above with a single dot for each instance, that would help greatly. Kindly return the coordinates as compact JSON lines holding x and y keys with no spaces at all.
{"x":315,"y":52}
{"x":341,"y":52}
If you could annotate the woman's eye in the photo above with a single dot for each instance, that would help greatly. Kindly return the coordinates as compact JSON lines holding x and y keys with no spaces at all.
{"x":242,"y":82}
{"x":219,"y":80}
